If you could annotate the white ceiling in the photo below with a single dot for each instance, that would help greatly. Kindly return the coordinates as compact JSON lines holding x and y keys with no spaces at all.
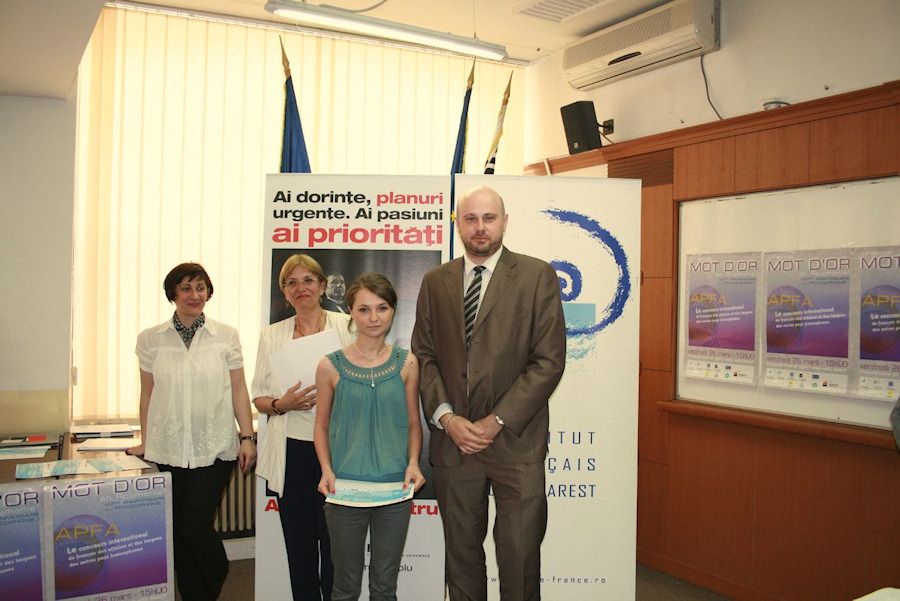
{"x":42,"y":41}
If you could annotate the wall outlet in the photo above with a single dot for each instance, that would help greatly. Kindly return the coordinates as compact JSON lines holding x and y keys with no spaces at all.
{"x":608,"y":126}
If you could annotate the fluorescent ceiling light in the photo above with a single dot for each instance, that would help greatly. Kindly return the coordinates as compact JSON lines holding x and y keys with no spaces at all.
{"x":325,"y":17}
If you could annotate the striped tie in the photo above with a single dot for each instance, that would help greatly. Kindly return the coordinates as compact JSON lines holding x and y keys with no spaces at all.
{"x":470,"y":302}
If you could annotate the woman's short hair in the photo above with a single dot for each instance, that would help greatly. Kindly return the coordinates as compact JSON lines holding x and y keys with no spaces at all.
{"x":300,"y":260}
{"x":186,"y":270}
{"x":375,"y":283}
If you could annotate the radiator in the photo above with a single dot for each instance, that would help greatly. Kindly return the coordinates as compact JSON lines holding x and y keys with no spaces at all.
{"x":235,"y":517}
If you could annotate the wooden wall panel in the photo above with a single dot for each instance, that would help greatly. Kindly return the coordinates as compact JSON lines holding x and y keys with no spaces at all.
{"x":651,"y":505}
{"x":775,"y":158}
{"x":653,"y":424}
{"x":705,"y":169}
{"x":657,"y":324}
{"x":659,"y":213}
{"x":712,"y":475}
{"x":810,"y":501}
{"x":653,"y":169}
{"x":855,"y":146}
{"x":881,"y":529}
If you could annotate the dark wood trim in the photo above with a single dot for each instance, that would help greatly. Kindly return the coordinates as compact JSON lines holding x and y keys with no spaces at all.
{"x":582,"y":160}
{"x":871,"y":437}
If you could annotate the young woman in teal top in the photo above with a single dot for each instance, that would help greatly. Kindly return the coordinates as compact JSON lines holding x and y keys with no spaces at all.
{"x":367,"y":428}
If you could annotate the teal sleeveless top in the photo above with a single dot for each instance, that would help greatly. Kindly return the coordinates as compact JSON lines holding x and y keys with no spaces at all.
{"x":369,"y":427}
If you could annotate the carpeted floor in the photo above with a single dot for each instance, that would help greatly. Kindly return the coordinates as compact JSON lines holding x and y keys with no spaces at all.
{"x":651,"y":586}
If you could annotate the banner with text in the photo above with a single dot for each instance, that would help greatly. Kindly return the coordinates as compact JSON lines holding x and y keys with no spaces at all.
{"x":395,"y":225}
{"x":589,"y":230}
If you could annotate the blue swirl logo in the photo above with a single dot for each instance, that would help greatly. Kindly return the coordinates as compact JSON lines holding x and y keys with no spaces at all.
{"x":582,"y":323}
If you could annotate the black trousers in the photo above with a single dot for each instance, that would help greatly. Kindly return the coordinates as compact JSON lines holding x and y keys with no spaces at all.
{"x":303,"y":523}
{"x":200,"y":561}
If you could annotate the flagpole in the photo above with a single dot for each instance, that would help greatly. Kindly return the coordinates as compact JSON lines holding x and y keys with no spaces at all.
{"x":491,"y":161}
{"x":284,"y":60}
{"x":459,"y":153}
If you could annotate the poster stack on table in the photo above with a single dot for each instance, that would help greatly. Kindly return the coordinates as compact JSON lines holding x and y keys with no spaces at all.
{"x":87,"y":539}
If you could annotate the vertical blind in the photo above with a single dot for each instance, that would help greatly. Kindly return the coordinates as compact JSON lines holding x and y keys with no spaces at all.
{"x":179,"y":121}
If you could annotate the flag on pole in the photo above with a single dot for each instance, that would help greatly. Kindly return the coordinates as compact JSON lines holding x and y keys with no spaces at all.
{"x":459,"y":154}
{"x":294,"y":158}
{"x":492,"y":153}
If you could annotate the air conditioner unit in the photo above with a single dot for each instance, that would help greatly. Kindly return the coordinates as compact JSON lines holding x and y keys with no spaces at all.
{"x":670,"y":33}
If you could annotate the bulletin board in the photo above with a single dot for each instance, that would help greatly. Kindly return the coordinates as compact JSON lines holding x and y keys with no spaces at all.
{"x":789,"y":301}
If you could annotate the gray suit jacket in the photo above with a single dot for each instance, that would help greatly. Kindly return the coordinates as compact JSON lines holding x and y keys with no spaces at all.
{"x":515,"y":360}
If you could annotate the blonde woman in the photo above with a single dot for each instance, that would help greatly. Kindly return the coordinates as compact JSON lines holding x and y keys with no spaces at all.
{"x":287,"y":457}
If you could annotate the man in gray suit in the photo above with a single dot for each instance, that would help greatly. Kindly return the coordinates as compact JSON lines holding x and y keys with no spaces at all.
{"x":486,"y":400}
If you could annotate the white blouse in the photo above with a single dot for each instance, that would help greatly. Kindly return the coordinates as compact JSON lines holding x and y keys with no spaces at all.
{"x":190,"y":419}
{"x":299,"y":423}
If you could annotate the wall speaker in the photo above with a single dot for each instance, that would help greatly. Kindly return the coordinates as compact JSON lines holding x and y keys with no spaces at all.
{"x":580,"y":123}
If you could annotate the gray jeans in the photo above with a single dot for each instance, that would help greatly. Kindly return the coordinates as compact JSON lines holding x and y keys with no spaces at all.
{"x":348,"y":526}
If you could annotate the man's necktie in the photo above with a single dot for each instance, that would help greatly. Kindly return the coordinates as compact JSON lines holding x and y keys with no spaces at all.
{"x":470,"y":302}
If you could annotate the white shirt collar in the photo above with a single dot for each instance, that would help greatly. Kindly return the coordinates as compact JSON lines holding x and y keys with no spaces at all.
{"x":210,"y":326}
{"x":490,"y":263}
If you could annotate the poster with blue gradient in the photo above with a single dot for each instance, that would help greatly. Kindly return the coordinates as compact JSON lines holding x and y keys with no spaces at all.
{"x":589,"y":230}
{"x":879,"y":323}
{"x":807,"y":320}
{"x":20,"y":544}
{"x":108,"y":538}
{"x":721,"y":317}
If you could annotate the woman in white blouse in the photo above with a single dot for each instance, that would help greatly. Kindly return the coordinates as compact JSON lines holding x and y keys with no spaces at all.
{"x":192,"y":391}
{"x":287,"y":458}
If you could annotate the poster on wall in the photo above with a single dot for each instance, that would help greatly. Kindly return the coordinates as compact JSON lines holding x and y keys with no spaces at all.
{"x":830,"y":322}
{"x":879,"y":323}
{"x":108,"y":538}
{"x":350,"y":224}
{"x":721,"y":318}
{"x":807,"y":320}
{"x":589,"y":230}
{"x":20,"y":545}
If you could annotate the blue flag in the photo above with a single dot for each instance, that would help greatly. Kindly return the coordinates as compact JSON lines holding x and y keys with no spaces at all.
{"x":294,"y":158}
{"x":459,"y":154}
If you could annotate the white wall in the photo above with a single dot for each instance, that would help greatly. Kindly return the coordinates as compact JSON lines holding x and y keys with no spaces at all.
{"x":37,"y":158}
{"x":795,"y":50}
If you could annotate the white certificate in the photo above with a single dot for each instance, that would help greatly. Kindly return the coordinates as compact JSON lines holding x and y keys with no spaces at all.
{"x":356,"y":493}
{"x":297,"y":360}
